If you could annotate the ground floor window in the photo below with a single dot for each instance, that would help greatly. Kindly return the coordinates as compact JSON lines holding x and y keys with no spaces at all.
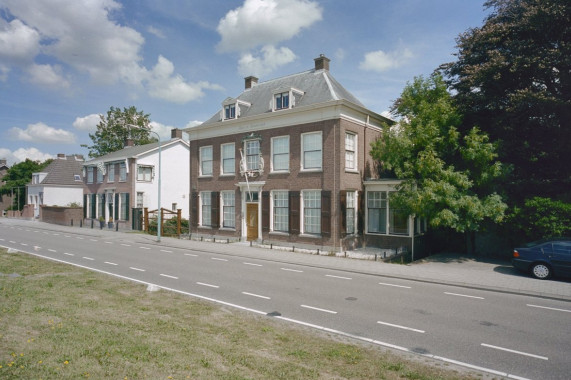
{"x":311,"y":211}
{"x":124,"y":200}
{"x":281,"y":211}
{"x":101,"y":204}
{"x":140,"y":199}
{"x":206,"y":208}
{"x":228,"y":209}
{"x":350,"y":212}
{"x":377,"y":212}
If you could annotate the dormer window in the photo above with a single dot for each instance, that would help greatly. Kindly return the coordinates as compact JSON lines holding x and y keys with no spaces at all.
{"x":282,"y":100}
{"x":230,"y":111}
{"x":231,"y":108}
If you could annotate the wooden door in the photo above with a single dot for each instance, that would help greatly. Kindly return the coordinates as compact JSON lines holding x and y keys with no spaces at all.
{"x":251,"y":221}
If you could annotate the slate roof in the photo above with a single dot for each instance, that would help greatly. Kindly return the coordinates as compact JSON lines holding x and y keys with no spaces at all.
{"x":131,"y":152}
{"x":62,"y":172}
{"x":318,"y":86}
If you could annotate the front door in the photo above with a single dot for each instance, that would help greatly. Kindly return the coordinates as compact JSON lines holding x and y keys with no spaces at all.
{"x":251,"y":221}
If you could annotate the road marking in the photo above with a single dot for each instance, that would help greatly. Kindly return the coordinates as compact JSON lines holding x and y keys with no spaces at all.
{"x":108,"y":242}
{"x":110,"y":263}
{"x":24,"y":244}
{"x":164,"y":250}
{"x":125,"y":245}
{"x":394,"y":285}
{"x":256,"y":295}
{"x":209,"y":285}
{"x":45,"y":233}
{"x":88,"y":258}
{"x":252,"y":264}
{"x":66,"y":236}
{"x":144,"y":247}
{"x":550,"y":308}
{"x":216,"y":258}
{"x":12,"y":241}
{"x":2,"y":240}
{"x":342,"y":278}
{"x":319,"y":309}
{"x":69,"y":254}
{"x":400,"y":327}
{"x":37,"y":247}
{"x":515,"y":352}
{"x":138,"y":269}
{"x":92,"y":239}
{"x":190,"y":254}
{"x":166,"y":275}
{"x":80,"y":238}
{"x":56,"y":234}
{"x":463,"y":295}
{"x":52,"y":250}
{"x":292,"y":270}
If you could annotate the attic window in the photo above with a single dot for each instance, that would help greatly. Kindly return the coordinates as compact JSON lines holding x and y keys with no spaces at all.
{"x":230,"y":111}
{"x":76,"y":177}
{"x":281,"y":100}
{"x":231,"y":108}
{"x":284,"y":98}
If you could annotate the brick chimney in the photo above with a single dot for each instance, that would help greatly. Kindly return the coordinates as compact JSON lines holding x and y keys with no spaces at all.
{"x":129,"y":142}
{"x":3,"y":162}
{"x":61,"y":156}
{"x":176,"y":133}
{"x":322,"y":63}
{"x":250,"y":82}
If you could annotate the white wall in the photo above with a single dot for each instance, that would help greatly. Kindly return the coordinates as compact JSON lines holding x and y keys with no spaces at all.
{"x":53,"y":196}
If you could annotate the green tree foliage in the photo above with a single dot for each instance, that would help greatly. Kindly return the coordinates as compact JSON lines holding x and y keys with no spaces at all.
{"x":513,"y":79}
{"x":447,"y":177}
{"x":113,"y":130}
{"x":18,"y":176}
{"x":542,"y":218}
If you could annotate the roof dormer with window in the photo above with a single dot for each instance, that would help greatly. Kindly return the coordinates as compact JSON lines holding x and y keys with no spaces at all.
{"x":284,"y":98}
{"x":231,"y":108}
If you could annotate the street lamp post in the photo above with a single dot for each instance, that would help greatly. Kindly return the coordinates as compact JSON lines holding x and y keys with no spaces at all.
{"x":159,"y":181}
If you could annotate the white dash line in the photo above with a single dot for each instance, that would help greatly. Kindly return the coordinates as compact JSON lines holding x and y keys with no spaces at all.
{"x":256,"y":295}
{"x":217,"y":259}
{"x":80,"y":238}
{"x":252,"y":264}
{"x":165,"y":250}
{"x":24,"y":244}
{"x":138,"y":269}
{"x":209,"y":285}
{"x":2,"y":240}
{"x":52,"y":250}
{"x":463,"y":295}
{"x":56,"y":234}
{"x":292,"y":270}
{"x":549,"y":308}
{"x":340,"y":277}
{"x":144,"y":247}
{"x":190,"y":254}
{"x":394,"y":285}
{"x":66,"y":236}
{"x":69,"y":254}
{"x":88,"y":258}
{"x":400,"y":327}
{"x":515,"y":352}
{"x":12,"y":241}
{"x":168,"y":276}
{"x":125,"y":245}
{"x":92,"y":239}
{"x":319,"y":309}
{"x":108,"y":242}
{"x":110,"y":263}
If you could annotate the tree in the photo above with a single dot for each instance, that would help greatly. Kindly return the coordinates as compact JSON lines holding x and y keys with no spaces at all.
{"x":18,"y":176}
{"x":113,"y":130}
{"x":447,"y":177}
{"x":513,"y":79}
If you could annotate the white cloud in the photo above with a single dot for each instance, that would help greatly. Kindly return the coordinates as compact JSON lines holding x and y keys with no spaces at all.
{"x":164,"y":84}
{"x":192,"y":123}
{"x":382,"y":61}
{"x":271,"y":58}
{"x":265,"y":22}
{"x":18,"y":42}
{"x":157,"y":32}
{"x":87,"y":123}
{"x":47,"y":75}
{"x":163,"y":130}
{"x":21,"y":154}
{"x":43,"y":133}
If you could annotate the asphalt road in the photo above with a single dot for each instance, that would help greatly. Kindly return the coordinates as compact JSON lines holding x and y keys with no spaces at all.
{"x":510,"y":335}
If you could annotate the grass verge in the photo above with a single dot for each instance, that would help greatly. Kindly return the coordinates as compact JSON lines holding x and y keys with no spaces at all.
{"x":59,"y":321}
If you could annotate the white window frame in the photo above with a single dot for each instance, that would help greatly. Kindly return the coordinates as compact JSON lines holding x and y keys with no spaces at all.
{"x":205,"y":198}
{"x":230,"y":111}
{"x":351,"y":215}
{"x":278,"y":98}
{"x":145,"y":173}
{"x":99,"y":176}
{"x":351,"y":151}
{"x":122,"y":172}
{"x":232,"y":158}
{"x":90,"y":174}
{"x":305,"y":196}
{"x":228,"y":200}
{"x":202,"y":161}
{"x":252,"y":158}
{"x":111,"y":172}
{"x":273,"y":197}
{"x":140,"y":199}
{"x":302,"y":160}
{"x":273,"y":153}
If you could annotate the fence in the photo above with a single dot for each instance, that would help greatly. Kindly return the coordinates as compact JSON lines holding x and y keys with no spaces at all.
{"x":172,"y":224}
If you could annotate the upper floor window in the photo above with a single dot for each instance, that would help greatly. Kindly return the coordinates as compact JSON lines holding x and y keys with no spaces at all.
{"x":99,"y":175}
{"x":230,"y":111}
{"x":311,"y":146}
{"x":144,"y":173}
{"x":76,"y":177}
{"x":35,"y":179}
{"x":252,"y":154}
{"x":281,"y":100}
{"x":90,"y":174}
{"x":280,"y":153}
{"x":122,"y":172}
{"x":228,"y":153}
{"x":111,"y":173}
{"x":350,"y":151}
{"x":206,"y":161}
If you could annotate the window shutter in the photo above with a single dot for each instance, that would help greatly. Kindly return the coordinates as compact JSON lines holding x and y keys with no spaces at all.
{"x":84,"y":206}
{"x":343,"y":213}
{"x":116,"y":206}
{"x":194,"y":209}
{"x":294,"y":212}
{"x":265,"y":211}
{"x":361,"y":213}
{"x":128,"y":206}
{"x":215,"y":214}
{"x":93,"y":205}
{"x":326,"y":213}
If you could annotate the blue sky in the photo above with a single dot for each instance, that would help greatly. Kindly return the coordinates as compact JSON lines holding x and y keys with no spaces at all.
{"x":64,"y":62}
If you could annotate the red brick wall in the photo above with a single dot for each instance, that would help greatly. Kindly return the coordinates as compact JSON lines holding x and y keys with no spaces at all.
{"x":61,"y":215}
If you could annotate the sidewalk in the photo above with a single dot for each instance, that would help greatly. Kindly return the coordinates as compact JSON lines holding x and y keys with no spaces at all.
{"x":458,"y":270}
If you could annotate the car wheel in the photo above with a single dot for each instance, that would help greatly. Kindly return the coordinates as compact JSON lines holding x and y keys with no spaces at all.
{"x":540,"y":271}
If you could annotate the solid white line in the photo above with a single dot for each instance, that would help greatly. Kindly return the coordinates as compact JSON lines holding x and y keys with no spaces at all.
{"x":550,"y":308}
{"x":52,"y":250}
{"x":292,"y":270}
{"x":88,"y":258}
{"x":69,"y":254}
{"x":138,"y":269}
{"x":107,"y":262}
{"x":318,"y":309}
{"x":400,"y":327}
{"x":515,"y":352}
{"x":342,"y":278}
{"x":252,"y":264}
{"x":216,"y":258}
{"x":463,"y":295}
{"x":144,"y":247}
{"x":166,"y":275}
{"x":209,"y":285}
{"x":256,"y":295}
{"x":164,"y":250}
{"x":396,"y":286}
{"x":108,"y":242}
{"x":125,"y":245}
{"x":190,"y":254}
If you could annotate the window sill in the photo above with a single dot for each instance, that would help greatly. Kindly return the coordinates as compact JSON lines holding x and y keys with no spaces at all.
{"x":320,"y":170}
{"x":279,"y":172}
{"x":205,"y":176}
{"x":314,"y":236}
{"x":233,"y":229}
{"x":205,"y":227}
{"x":279,"y":233}
{"x":351,"y":171}
{"x":227,"y":175}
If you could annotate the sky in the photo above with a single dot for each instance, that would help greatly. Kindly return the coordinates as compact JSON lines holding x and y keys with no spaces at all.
{"x":65,"y":62}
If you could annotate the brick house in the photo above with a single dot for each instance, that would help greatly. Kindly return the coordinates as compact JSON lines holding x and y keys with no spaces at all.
{"x":116,"y":183}
{"x":286,"y":162}
{"x":58,"y":184}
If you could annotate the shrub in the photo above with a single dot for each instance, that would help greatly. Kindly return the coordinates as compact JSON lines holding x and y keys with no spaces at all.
{"x":542,"y":218}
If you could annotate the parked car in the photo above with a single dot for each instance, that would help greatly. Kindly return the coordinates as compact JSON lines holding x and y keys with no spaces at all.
{"x":544,"y":258}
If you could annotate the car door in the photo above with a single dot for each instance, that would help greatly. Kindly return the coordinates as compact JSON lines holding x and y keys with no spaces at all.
{"x":561,"y":258}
